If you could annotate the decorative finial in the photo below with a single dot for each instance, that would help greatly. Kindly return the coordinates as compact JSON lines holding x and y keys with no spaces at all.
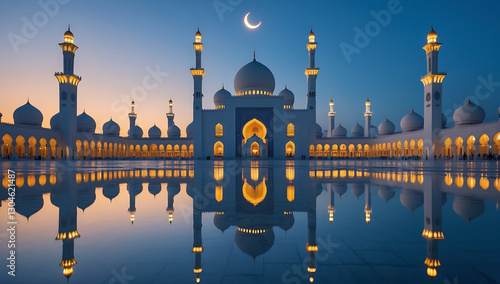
{"x":28,"y":100}
{"x":83,"y":110}
{"x":411,"y":108}
{"x":432,"y":27}
{"x":254,"y":54}
{"x":69,"y":28}
{"x":223,"y":86}
{"x":285,"y":87}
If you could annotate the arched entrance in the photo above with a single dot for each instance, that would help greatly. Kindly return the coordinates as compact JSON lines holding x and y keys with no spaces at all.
{"x":254,"y":142}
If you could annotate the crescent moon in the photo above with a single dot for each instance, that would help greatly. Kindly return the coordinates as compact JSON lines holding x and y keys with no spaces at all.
{"x":247,"y":23}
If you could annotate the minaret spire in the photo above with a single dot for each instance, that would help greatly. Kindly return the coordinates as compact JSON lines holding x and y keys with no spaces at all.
{"x":198,"y":72}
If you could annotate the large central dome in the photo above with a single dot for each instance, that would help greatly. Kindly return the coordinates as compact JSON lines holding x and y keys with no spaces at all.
{"x":254,"y":79}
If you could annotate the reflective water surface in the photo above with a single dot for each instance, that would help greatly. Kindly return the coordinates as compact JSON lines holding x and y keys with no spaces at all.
{"x":254,"y":222}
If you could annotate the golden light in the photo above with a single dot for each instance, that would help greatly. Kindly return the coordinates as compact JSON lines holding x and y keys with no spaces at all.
{"x":484,"y":183}
{"x":448,"y":180}
{"x":471,"y":182}
{"x":311,"y":279}
{"x":255,"y":195}
{"x":432,"y":272}
{"x":290,"y":193}
{"x":218,"y":193}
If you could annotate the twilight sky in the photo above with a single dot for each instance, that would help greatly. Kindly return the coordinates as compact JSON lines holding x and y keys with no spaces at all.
{"x":120,"y":42}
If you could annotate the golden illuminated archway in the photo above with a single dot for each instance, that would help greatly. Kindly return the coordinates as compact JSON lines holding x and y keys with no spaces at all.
{"x":290,"y":149}
{"x":255,"y":149}
{"x":256,"y":127}
{"x":255,"y":195}
{"x":218,"y":149}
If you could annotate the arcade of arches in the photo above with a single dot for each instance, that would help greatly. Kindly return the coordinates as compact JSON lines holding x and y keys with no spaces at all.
{"x":21,"y":147}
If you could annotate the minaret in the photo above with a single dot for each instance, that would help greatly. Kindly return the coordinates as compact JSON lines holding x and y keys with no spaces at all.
{"x":311,"y":246}
{"x":432,"y":222}
{"x":368,"y":203}
{"x":331,"y":120}
{"x":197,"y":242}
{"x":311,"y":73}
{"x":331,"y":206}
{"x":368,"y":118}
{"x":132,"y":116}
{"x":197,"y":73}
{"x":68,"y":225}
{"x":432,"y":95}
{"x":133,"y":190}
{"x":172,"y":190}
{"x":68,"y":85}
{"x":170,"y":114}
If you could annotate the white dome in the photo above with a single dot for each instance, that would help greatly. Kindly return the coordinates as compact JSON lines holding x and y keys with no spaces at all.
{"x":254,"y":76}
{"x":189,"y":130}
{"x":85,"y":123}
{"x":411,"y":199}
{"x":386,"y":127}
{"x":444,"y":120}
{"x":469,"y":113}
{"x":339,"y":131}
{"x":54,"y":122}
{"x":111,"y":128}
{"x":288,"y":96}
{"x":137,"y":132}
{"x":220,"y":96}
{"x":154,"y":132}
{"x":412,"y":121}
{"x":386,"y":193}
{"x":373,"y":131}
{"x":319,"y":131}
{"x":339,"y":188}
{"x":357,"y":131}
{"x":28,"y":115}
{"x":468,"y":207}
{"x":174,"y":132}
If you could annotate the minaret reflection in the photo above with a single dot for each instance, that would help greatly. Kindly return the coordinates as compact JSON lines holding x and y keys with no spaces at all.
{"x":197,"y":243}
{"x":133,"y":190}
{"x":311,"y":246}
{"x":368,"y":203}
{"x":432,"y":222}
{"x":173,"y":188}
{"x":65,"y":198}
{"x":331,"y":206}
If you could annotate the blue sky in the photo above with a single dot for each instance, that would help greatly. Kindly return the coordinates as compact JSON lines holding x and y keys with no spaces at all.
{"x":121,"y":40}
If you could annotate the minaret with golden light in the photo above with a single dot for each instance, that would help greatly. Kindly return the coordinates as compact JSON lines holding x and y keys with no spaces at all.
{"x":433,"y":222}
{"x":173,"y":189}
{"x":68,"y":226}
{"x":331,"y":120}
{"x":170,"y":114}
{"x":432,"y":81}
{"x":133,"y":190}
{"x":368,"y":203}
{"x":68,"y":86}
{"x":132,"y":116}
{"x":312,"y":74}
{"x":197,"y":242}
{"x":368,"y":118}
{"x":197,"y":73}
{"x":331,"y":206}
{"x":312,"y":246}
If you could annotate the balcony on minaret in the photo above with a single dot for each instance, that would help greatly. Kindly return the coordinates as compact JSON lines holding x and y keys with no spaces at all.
{"x":67,"y":78}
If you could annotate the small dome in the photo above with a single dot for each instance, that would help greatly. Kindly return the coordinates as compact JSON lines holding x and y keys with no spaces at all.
{"x":386,"y":193}
{"x":319,"y":131}
{"x":254,"y":77}
{"x":189,"y":130}
{"x":411,"y":199}
{"x":288,"y":96}
{"x":432,"y":35}
{"x":111,"y":190}
{"x":411,"y":122}
{"x":85,"y":123}
{"x":221,"y":223}
{"x":357,"y":131}
{"x":339,"y":131}
{"x":68,"y":33}
{"x":28,"y":115}
{"x":111,"y":128}
{"x":154,"y":132}
{"x":287,"y":222}
{"x":137,"y":132}
{"x":311,"y":33}
{"x":85,"y":197}
{"x":357,"y":189}
{"x":469,"y":113}
{"x":54,"y":122}
{"x":154,"y":188}
{"x":373,"y":131}
{"x":468,"y":207}
{"x":339,"y":188}
{"x":198,"y":33}
{"x":444,"y":120}
{"x":386,"y":127}
{"x":220,"y":96}
{"x":174,"y":132}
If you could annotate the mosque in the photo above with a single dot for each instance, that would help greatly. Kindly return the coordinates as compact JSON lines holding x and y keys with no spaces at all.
{"x":252,"y":122}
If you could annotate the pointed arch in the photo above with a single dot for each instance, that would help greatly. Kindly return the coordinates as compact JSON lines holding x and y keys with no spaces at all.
{"x":254,"y":127}
{"x":219,"y":130}
{"x":290,"y":149}
{"x":218,"y":149}
{"x":290,"y":130}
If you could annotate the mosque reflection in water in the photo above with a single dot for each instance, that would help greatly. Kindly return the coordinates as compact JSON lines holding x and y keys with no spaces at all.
{"x":257,"y":200}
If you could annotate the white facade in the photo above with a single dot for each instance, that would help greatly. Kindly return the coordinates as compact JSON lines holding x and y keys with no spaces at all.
{"x":254,"y":122}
